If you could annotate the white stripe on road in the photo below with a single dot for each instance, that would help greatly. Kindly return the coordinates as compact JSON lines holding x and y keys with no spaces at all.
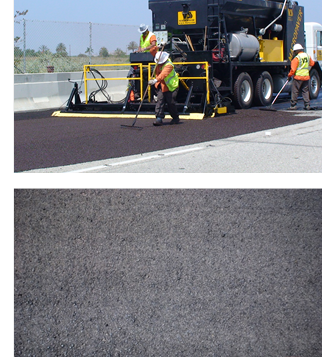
{"x":87,"y":169}
{"x":183,"y":151}
{"x":136,"y":160}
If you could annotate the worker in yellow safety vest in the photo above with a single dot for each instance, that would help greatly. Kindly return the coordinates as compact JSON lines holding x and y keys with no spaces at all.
{"x":147,"y":40}
{"x":300,"y":70}
{"x":166,"y":85}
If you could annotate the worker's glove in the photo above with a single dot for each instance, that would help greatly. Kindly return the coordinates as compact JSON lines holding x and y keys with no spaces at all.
{"x":152,"y":82}
{"x":289,"y":79}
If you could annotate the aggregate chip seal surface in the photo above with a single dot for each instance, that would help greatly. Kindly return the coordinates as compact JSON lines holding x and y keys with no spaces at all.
{"x":168,"y":273}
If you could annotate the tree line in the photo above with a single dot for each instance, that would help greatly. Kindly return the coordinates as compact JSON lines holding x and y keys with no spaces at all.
{"x":61,"y":51}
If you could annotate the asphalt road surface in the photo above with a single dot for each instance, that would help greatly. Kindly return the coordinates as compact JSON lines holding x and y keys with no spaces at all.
{"x":168,"y":273}
{"x":43,"y":141}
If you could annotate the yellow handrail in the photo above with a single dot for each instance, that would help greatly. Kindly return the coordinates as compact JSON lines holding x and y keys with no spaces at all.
{"x":86,"y":69}
{"x":205,"y":63}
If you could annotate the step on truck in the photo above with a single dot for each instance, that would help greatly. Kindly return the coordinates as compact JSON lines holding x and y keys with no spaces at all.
{"x":227,"y":53}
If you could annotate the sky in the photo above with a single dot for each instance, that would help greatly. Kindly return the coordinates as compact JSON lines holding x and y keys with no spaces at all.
{"x":74,"y":32}
{"x":123,"y":12}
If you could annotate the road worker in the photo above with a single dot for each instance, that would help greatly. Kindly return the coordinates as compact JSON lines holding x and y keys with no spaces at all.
{"x":300,"y":69}
{"x":166,"y":84}
{"x":148,"y":40}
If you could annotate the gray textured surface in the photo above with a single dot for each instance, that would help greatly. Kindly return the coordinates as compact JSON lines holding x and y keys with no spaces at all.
{"x":168,"y":273}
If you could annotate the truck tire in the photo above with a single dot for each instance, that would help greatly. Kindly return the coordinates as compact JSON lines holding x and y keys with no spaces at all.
{"x":243,"y":91}
{"x":314,"y":85}
{"x":263,"y":91}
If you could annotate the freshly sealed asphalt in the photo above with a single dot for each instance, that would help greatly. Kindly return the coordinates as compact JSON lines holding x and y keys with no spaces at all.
{"x":43,"y":141}
{"x":168,"y":272}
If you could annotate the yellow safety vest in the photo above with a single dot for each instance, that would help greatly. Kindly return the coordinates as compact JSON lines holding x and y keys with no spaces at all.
{"x":171,"y":80}
{"x":303,"y":68}
{"x":145,"y":42}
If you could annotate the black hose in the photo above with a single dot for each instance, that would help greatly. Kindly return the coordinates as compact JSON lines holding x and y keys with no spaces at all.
{"x":101,"y":88}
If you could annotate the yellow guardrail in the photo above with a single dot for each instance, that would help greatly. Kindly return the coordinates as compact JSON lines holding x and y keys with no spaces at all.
{"x":86,"y":69}
{"x":206,"y":77}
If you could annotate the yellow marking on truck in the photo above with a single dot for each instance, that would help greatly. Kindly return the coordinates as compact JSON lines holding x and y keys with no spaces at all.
{"x":319,"y":55}
{"x":187,"y":19}
{"x":296,"y":31}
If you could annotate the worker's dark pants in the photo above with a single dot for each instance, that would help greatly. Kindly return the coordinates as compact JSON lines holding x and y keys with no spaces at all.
{"x":297,"y":87}
{"x":169,"y":98}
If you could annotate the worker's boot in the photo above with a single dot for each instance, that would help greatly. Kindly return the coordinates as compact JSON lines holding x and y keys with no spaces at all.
{"x":174,"y":121}
{"x":307,"y":107}
{"x":292,"y":107}
{"x":158,"y":122}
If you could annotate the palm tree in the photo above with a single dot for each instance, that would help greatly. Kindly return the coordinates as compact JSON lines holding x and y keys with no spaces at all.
{"x":44,"y":49}
{"x":132,"y":46}
{"x":61,"y":49}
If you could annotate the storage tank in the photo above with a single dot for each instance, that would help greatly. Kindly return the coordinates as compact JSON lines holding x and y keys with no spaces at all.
{"x":242,"y":46}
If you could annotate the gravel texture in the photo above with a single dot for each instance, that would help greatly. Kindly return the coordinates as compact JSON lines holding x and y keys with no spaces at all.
{"x":168,"y":272}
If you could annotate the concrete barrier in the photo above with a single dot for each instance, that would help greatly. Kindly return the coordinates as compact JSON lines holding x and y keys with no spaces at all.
{"x":40,"y":91}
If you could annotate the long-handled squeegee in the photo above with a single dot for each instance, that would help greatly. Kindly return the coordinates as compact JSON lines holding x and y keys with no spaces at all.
{"x":270,"y":107}
{"x":137,"y":113}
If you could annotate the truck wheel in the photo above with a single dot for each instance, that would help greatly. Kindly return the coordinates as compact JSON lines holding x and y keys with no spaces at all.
{"x":243,"y":91}
{"x":314,"y":85}
{"x":263,"y":92}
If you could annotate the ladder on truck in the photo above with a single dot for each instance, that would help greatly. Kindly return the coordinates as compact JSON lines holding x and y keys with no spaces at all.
{"x":214,"y":13}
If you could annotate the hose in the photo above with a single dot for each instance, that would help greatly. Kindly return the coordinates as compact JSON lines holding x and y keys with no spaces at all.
{"x":102,"y":88}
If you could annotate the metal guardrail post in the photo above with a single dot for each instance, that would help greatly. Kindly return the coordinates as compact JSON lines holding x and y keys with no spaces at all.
{"x":85,"y":67}
{"x":90,"y":41}
{"x":24,"y":47}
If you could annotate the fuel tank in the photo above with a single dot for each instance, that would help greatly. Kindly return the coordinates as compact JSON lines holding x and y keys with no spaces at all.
{"x":242,"y":46}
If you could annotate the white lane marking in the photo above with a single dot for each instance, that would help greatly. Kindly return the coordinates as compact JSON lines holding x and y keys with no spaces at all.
{"x":86,"y":169}
{"x":183,"y":151}
{"x":133,"y":161}
{"x":136,"y":160}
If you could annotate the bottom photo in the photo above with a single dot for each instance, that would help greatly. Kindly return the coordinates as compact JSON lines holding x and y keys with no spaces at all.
{"x":168,"y":272}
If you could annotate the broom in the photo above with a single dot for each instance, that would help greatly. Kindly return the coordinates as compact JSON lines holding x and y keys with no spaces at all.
{"x":270,"y":107}
{"x":137,"y":113}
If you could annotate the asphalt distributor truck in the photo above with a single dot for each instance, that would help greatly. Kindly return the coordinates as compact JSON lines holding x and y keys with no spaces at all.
{"x":227,"y":53}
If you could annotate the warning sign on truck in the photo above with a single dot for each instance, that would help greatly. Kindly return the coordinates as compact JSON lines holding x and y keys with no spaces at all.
{"x":187,"y":19}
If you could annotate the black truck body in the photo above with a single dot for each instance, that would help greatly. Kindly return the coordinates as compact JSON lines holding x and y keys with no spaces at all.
{"x":232,"y":35}
{"x":227,"y":53}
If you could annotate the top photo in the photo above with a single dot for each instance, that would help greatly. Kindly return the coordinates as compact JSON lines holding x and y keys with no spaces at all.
{"x":168,"y":86}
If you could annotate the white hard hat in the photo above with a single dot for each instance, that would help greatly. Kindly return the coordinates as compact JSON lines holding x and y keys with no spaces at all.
{"x":298,"y":47}
{"x":143,"y":28}
{"x":161,"y":57}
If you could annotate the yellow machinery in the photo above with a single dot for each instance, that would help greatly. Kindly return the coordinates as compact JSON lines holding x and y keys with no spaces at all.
{"x":127,"y":108}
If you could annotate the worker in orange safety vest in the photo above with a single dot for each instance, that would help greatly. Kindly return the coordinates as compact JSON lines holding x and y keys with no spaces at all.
{"x":166,"y":84}
{"x":148,"y":40}
{"x":147,"y":44}
{"x":300,"y":70}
